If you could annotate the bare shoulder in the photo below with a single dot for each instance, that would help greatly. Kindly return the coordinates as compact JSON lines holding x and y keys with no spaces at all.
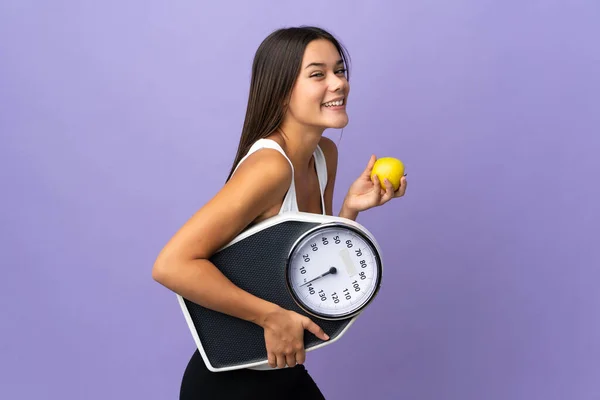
{"x":259,"y":183}
{"x":262,"y":164}
{"x":327,"y":145}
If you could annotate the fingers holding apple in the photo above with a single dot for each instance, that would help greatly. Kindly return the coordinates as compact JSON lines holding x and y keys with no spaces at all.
{"x":382,"y":180}
{"x":368,"y":170}
{"x":402,"y":189}
{"x":392,"y":170}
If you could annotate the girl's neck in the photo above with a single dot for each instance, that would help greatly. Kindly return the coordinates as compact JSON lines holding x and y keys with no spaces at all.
{"x":299,"y":143}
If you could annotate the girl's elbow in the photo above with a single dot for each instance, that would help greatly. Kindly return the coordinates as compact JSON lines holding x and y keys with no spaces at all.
{"x":158,"y":272}
{"x":161,"y":270}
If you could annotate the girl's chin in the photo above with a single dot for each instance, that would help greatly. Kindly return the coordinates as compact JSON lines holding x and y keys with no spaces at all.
{"x":336,"y":123}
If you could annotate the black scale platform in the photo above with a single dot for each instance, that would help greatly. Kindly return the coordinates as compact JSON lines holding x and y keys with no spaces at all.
{"x":257,"y":265}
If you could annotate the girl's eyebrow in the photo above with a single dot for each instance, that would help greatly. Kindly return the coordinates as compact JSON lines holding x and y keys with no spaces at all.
{"x":320,"y":64}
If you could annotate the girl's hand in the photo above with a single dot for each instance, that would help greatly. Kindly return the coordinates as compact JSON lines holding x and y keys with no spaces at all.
{"x":284,"y":337}
{"x":367,"y":193}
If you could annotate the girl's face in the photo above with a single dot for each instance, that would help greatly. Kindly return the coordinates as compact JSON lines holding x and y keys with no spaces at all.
{"x":320,"y":94}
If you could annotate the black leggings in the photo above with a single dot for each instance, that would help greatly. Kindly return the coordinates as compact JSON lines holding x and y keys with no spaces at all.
{"x":199,"y":383}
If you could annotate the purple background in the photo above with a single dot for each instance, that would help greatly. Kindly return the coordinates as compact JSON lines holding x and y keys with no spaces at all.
{"x":119,"y":119}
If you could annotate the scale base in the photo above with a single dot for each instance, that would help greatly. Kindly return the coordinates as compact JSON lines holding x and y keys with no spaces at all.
{"x":256,"y":263}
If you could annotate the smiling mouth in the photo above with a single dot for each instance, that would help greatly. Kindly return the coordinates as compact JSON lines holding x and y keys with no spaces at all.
{"x":336,"y":103}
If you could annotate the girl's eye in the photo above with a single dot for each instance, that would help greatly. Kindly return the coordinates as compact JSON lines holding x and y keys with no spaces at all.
{"x":320,"y":74}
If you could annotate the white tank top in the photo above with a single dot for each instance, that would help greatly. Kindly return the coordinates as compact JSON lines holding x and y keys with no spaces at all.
{"x":290,"y":203}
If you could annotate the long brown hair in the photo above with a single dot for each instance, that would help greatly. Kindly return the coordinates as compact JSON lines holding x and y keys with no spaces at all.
{"x":276,"y":65}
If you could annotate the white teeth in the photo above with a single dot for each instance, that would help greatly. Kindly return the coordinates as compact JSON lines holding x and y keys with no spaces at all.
{"x":334,"y":103}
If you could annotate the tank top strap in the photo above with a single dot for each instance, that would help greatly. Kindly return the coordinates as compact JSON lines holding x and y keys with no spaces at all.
{"x":321,"y":167}
{"x":289,"y":202}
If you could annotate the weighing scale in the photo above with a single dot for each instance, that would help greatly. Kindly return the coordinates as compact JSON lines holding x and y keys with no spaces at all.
{"x":324,"y":267}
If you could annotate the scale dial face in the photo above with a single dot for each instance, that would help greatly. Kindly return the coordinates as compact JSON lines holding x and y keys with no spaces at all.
{"x":333,"y":271}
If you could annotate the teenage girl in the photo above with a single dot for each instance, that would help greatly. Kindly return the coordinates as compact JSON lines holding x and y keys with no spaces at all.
{"x":299,"y":88}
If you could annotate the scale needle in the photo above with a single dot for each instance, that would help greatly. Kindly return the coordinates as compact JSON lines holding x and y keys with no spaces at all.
{"x":332,"y":270}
